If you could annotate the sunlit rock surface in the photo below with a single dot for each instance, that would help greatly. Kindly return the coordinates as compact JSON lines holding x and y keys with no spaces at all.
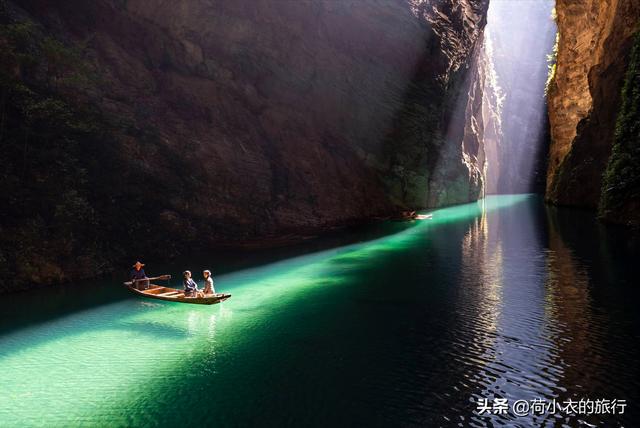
{"x":225,"y":122}
{"x":487,"y":118}
{"x":595,"y":40}
{"x":522,"y":34}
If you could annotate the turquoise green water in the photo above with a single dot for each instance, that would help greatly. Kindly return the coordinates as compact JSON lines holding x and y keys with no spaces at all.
{"x":408,"y":328}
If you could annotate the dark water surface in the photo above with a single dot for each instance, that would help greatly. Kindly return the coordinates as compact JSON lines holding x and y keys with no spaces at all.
{"x":409,"y":327}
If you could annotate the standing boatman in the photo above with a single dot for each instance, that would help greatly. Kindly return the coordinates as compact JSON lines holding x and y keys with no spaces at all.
{"x":138,"y":277}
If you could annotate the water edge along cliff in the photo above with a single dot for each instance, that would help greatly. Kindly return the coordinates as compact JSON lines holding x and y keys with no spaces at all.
{"x":147,"y":128}
{"x":587,"y":104}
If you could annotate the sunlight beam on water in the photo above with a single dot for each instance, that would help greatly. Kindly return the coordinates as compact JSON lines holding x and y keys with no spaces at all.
{"x":88,"y":367}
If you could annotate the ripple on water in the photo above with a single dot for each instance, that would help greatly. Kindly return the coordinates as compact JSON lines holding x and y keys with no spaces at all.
{"x":410,"y":329}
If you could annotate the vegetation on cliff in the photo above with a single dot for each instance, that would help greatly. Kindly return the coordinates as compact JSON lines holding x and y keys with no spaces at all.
{"x":44,"y":195}
{"x":60,"y":218}
{"x":552,"y":64}
{"x":585,"y":97}
{"x":150,"y":130}
{"x":552,"y":58}
{"x":620,"y":199}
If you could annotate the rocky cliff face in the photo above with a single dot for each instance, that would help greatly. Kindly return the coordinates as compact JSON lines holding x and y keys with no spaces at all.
{"x":620,"y":199}
{"x":141,"y":128}
{"x":595,"y":38}
{"x":441,"y":106}
{"x":489,"y":119}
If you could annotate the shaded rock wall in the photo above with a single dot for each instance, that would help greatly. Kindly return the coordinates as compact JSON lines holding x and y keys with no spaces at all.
{"x":181,"y":125}
{"x":430,"y":152}
{"x":460,"y":182}
{"x":584,"y":98}
{"x":620,"y":199}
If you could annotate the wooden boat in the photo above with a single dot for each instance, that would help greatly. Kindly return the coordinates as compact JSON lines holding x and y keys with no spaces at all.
{"x":412,"y":215}
{"x":423,"y":216}
{"x":173,"y":295}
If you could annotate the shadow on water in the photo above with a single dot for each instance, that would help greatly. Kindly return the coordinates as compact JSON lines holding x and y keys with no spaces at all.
{"x":106,"y":323}
{"x":45,"y":304}
{"x":607,"y":252}
{"x":27,"y":308}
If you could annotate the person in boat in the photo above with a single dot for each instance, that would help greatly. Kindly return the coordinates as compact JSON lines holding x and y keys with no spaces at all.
{"x":138,"y":277}
{"x":208,"y":283}
{"x":190,"y":286}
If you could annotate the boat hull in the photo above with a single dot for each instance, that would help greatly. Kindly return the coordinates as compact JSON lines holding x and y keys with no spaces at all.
{"x":173,"y":295}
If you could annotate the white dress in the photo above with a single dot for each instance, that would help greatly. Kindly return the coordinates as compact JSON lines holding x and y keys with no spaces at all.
{"x":208,"y":286}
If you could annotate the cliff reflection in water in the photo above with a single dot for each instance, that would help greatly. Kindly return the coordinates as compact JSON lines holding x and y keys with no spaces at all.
{"x":539,"y":331}
{"x":590,"y":296}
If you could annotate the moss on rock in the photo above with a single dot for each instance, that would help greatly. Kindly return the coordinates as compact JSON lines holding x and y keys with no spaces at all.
{"x":620,"y":200}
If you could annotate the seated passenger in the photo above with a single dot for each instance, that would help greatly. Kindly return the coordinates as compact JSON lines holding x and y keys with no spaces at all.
{"x":208,"y":283}
{"x":190,"y":286}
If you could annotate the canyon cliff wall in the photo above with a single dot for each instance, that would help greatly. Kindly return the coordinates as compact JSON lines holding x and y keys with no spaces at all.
{"x":490,"y":116}
{"x":595,"y":39}
{"x":151,"y":128}
{"x":620,"y":198}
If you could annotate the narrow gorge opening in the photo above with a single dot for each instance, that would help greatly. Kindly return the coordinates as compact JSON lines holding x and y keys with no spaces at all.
{"x":517,"y":58}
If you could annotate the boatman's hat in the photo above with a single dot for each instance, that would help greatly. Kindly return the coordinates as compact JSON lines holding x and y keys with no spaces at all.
{"x":138,"y":264}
